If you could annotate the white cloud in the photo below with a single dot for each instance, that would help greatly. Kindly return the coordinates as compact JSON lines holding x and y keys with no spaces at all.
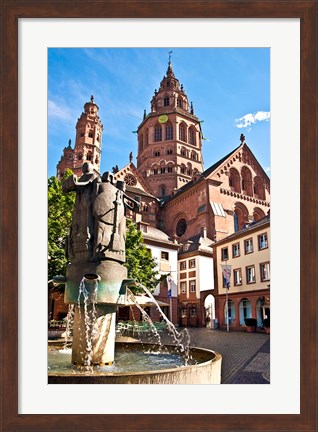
{"x":249,"y":119}
{"x":57,"y":111}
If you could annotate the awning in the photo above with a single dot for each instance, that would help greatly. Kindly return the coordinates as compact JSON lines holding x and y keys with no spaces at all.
{"x":217,"y":209}
{"x":142,"y":300}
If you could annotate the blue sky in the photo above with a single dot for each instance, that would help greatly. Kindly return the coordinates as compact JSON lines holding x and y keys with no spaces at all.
{"x":229,"y":88}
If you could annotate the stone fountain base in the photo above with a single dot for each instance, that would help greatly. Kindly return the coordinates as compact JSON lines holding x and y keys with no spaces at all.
{"x":206,"y":371}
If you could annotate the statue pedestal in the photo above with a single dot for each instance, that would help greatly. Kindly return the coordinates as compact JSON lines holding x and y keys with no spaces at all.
{"x":94,"y":344}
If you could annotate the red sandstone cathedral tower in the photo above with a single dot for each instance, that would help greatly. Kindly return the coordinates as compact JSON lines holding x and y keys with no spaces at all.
{"x":169,"y":139}
{"x":88,"y":142}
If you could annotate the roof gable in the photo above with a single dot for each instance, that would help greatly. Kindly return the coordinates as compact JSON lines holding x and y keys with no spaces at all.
{"x":132,"y":177}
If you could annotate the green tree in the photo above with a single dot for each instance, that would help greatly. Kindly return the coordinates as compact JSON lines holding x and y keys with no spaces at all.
{"x":60,"y":210}
{"x":139,"y":261}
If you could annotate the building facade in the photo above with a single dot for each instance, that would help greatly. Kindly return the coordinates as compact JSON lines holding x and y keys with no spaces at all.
{"x":246,"y":254}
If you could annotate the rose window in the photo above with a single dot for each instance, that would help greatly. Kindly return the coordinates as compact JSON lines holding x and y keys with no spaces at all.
{"x":130,"y":180}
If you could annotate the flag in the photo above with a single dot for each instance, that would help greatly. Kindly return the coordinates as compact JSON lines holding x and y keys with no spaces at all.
{"x":226,"y":273}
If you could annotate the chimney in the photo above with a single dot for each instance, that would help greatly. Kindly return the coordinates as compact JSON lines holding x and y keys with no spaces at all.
{"x":203,"y":232}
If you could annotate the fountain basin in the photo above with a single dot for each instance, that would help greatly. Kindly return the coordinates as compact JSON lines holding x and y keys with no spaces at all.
{"x":207,"y":369}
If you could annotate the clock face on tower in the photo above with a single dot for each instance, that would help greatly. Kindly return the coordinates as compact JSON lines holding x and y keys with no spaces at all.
{"x":163,"y":119}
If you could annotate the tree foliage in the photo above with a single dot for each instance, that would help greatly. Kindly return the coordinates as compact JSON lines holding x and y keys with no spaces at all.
{"x":60,"y":210}
{"x":139,"y":261}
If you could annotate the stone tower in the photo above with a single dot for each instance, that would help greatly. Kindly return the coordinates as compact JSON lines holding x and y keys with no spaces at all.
{"x":88,"y":142}
{"x":169,"y":139}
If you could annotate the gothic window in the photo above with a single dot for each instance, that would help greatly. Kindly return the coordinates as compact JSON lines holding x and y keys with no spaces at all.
{"x":155,"y":171}
{"x":162,"y":170}
{"x":89,"y":156}
{"x":169,"y":152}
{"x":169,"y":169}
{"x":130,"y":180}
{"x":156,"y":153}
{"x":183,"y":152}
{"x":182,"y":169}
{"x":179,"y":102}
{"x":158,"y":133}
{"x":90,"y":134}
{"x":169,"y":132}
{"x":182,"y":132}
{"x":166,"y":101}
{"x":192,"y":136}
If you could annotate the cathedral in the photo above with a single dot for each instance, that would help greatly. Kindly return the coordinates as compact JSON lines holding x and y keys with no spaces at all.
{"x":187,"y":206}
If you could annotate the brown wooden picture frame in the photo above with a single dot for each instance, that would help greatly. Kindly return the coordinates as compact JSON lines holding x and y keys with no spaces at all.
{"x":12,"y":10}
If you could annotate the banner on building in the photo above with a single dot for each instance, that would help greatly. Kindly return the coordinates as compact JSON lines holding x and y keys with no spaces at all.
{"x":226,"y":273}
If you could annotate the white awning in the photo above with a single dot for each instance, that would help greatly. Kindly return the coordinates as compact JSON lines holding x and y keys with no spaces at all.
{"x":217,"y":209}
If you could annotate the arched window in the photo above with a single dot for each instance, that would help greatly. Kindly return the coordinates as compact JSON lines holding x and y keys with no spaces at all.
{"x":90,"y":134}
{"x":184,"y":152}
{"x":245,"y":309}
{"x":166,"y":101}
{"x":194,"y":155}
{"x":192,"y":136}
{"x":179,"y":102}
{"x":231,"y":308}
{"x":258,"y":214}
{"x":89,"y":156}
{"x":246,"y":181}
{"x":169,"y":168}
{"x":169,"y":151}
{"x":240,"y":216}
{"x":169,"y":131}
{"x":158,"y":133}
{"x":182,"y":169}
{"x":234,"y":180}
{"x":183,"y":132}
{"x":259,"y":189}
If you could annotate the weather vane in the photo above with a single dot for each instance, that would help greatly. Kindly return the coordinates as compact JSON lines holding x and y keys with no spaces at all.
{"x":170,"y":52}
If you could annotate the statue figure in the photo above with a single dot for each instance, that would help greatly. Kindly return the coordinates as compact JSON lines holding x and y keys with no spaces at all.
{"x":81,"y":238}
{"x":130,"y":157}
{"x":110,"y":221}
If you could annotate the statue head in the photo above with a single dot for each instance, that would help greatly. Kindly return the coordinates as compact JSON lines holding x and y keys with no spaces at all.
{"x":87,"y":168}
{"x":108,"y":177}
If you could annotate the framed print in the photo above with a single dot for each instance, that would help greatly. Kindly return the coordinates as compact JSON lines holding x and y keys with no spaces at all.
{"x":28,"y":402}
